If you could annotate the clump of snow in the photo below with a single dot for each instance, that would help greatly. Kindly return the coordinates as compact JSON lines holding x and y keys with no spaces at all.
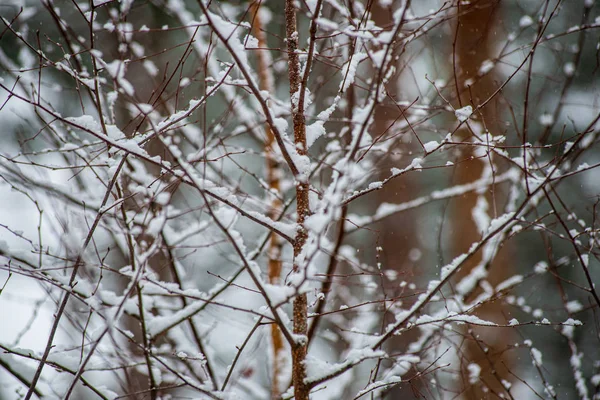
{"x":317,"y":129}
{"x":546,"y":119}
{"x":463,"y":114}
{"x":431,"y":146}
{"x":540,"y":267}
{"x":348,"y":71}
{"x":573,"y":306}
{"x":391,"y":274}
{"x":116,"y":69}
{"x":573,"y":322}
{"x":480,"y":215}
{"x":582,"y":166}
{"x":318,"y":369}
{"x":416,"y":163}
{"x":567,"y":331}
{"x":525,"y":21}
{"x":486,"y":67}
{"x":474,"y":371}
{"x":317,"y":223}
{"x":145,"y":108}
{"x":569,"y":69}
{"x":516,"y":279}
{"x":414,"y":254}
{"x":568,"y":147}
{"x":537,"y":356}
{"x":150,"y":67}
{"x":251,"y":42}
{"x":279,"y":294}
{"x":470,"y":319}
{"x":281,"y":124}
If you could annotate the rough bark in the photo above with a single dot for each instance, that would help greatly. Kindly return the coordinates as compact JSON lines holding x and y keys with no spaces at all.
{"x":300,"y":307}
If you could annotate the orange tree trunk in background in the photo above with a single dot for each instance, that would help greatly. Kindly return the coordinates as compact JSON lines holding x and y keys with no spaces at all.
{"x":397,"y":232}
{"x":275,"y":205}
{"x":395,"y":236}
{"x":476,"y":23}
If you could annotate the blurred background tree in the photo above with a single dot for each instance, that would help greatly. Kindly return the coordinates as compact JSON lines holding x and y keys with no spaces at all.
{"x":151,"y":241}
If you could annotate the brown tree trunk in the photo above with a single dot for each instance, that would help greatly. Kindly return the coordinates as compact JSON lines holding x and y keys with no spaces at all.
{"x":300,"y":306}
{"x":275,"y":205}
{"x":475,"y":24}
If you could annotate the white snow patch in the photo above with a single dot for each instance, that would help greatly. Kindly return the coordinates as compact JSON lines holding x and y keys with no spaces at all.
{"x":525,"y":21}
{"x":474,"y":371}
{"x":463,"y":114}
{"x":537,"y":356}
{"x":486,"y":67}
{"x":540,"y":267}
{"x":348,"y":71}
{"x":431,"y":146}
{"x":546,"y":119}
{"x":569,"y":69}
{"x":573,"y":306}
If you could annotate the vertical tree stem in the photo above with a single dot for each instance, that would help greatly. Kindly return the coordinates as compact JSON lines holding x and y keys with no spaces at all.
{"x":300,"y":306}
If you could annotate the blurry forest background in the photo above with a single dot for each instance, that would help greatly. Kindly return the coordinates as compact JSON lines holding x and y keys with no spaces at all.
{"x":155,"y":243}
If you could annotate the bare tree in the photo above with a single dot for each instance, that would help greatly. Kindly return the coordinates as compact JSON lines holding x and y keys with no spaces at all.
{"x":301,"y":199}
